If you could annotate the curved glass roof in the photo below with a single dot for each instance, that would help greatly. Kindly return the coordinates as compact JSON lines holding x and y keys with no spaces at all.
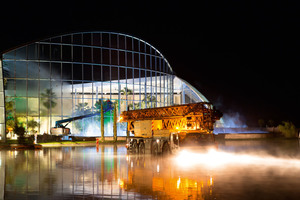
{"x":110,"y":41}
{"x":182,"y":86}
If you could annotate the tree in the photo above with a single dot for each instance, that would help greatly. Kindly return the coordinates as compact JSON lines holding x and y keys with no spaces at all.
{"x":102,"y":122}
{"x":115,"y":123}
{"x":288,"y":129}
{"x":271,"y":123}
{"x":261,"y":123}
{"x":148,"y":100}
{"x":125,"y":92}
{"x":20,"y":131}
{"x":10,"y":114}
{"x":32,"y":124}
{"x":47,"y":98}
{"x":48,"y":102}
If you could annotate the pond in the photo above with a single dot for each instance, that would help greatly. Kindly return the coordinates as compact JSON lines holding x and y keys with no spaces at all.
{"x":257,"y":169}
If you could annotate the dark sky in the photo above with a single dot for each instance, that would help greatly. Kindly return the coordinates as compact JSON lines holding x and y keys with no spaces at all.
{"x":242,"y":55}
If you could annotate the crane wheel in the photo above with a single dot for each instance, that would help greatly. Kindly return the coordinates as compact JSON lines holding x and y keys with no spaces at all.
{"x":134,"y":148}
{"x":154,"y":148}
{"x":166,"y":149}
{"x":142,"y":148}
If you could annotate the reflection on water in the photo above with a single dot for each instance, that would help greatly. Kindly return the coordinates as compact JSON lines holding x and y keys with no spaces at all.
{"x":273,"y":172}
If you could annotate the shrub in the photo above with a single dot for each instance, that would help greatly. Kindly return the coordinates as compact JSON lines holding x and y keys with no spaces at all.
{"x":288,"y":129}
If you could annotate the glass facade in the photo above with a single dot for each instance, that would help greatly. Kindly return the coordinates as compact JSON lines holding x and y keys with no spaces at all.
{"x":185,"y":93}
{"x":2,"y":106}
{"x":66,"y":76}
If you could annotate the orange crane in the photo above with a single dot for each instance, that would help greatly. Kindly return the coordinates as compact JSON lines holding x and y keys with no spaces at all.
{"x":159,"y":130}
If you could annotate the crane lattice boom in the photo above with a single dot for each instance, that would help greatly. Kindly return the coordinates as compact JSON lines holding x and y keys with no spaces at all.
{"x":188,"y":117}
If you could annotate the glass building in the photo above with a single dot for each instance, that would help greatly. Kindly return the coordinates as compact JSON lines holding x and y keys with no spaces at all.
{"x":68,"y":75}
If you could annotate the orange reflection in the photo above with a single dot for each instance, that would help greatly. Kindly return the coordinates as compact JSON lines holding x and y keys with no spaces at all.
{"x":166,"y":183}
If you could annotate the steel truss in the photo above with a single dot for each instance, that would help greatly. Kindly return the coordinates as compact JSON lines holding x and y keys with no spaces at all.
{"x":198,"y":117}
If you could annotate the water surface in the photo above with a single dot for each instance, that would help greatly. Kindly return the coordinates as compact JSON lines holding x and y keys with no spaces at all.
{"x":268,"y":169}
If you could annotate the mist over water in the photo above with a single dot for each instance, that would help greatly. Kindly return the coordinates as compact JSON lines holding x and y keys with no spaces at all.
{"x":234,"y":120}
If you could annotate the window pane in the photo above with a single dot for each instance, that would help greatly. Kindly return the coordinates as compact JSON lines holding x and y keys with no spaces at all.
{"x":55,"y":52}
{"x":129,"y":74}
{"x":106,"y":73}
{"x":97,"y":55}
{"x":33,"y":88}
{"x":67,"y":107}
{"x":33,"y":70}
{"x":114,"y":57}
{"x":97,"y":73}
{"x":56,"y":88}
{"x":32,"y":52}
{"x":33,"y":108}
{"x":45,"y":70}
{"x":77,"y":72}
{"x":21,"y":106}
{"x":148,"y":62}
{"x":87,"y":72}
{"x":136,"y":60}
{"x":21,"y":87}
{"x":114,"y":73}
{"x":56,"y":70}
{"x":21,"y":69}
{"x":66,"y":71}
{"x":8,"y":68}
{"x":129,"y":59}
{"x":44,"y":86}
{"x":56,"y":106}
{"x":77,"y":54}
{"x":129,"y":43}
{"x":105,"y":54}
{"x":142,"y":61}
{"x":66,"y":53}
{"x":122,"y":58}
{"x":67,"y":89}
{"x":122,"y":73}
{"x":87,"y":54}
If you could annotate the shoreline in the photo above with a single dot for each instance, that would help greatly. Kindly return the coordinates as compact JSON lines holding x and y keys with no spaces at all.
{"x":56,"y":144}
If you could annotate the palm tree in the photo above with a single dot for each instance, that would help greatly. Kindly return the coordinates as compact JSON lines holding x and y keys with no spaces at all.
{"x":81,"y":109}
{"x":115,"y":123}
{"x":126,"y":92}
{"x":10,"y":114}
{"x":149,"y":99}
{"x":48,"y":101}
{"x":32,"y":124}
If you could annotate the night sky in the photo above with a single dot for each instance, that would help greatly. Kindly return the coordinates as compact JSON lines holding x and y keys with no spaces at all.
{"x":242,"y":55}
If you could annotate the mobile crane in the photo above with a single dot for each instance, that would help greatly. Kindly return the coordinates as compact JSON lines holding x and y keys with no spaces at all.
{"x":62,"y":130}
{"x":160,"y":130}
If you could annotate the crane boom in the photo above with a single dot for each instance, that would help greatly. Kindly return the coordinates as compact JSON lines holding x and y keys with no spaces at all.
{"x":187,"y":117}
{"x":61,"y":129}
